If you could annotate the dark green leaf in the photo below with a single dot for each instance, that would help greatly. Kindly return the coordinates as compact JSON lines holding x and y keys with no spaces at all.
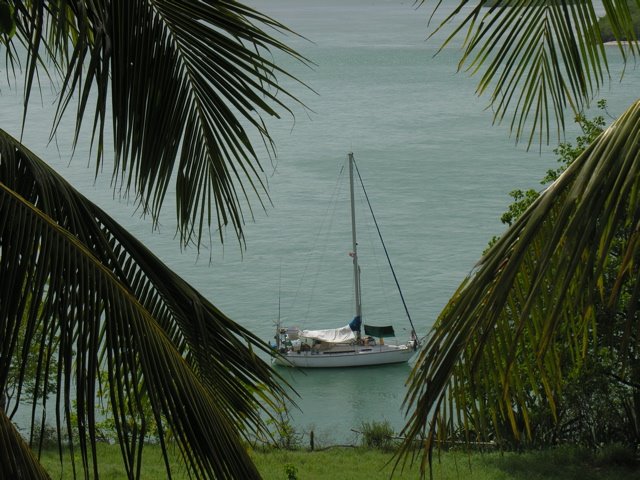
{"x":7,"y":23}
{"x":73,"y":273}
{"x":196,"y":74}
{"x":539,"y":57}
{"x":533,"y":293}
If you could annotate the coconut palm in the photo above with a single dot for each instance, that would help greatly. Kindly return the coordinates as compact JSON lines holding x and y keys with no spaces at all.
{"x":526,"y":314}
{"x":185,"y":84}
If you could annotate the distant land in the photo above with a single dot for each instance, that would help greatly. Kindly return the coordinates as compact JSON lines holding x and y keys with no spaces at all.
{"x":605,"y":25}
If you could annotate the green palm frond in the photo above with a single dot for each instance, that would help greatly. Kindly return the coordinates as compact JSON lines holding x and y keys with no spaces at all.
{"x":535,"y":58}
{"x":186,"y":83}
{"x":494,"y":345}
{"x":16,"y":458}
{"x":69,"y":271}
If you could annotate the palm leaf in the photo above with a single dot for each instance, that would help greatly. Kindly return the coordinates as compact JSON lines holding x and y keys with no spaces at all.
{"x":493,"y":347}
{"x":73,"y":273}
{"x":16,"y":458}
{"x":185,"y":84}
{"x":535,"y":58}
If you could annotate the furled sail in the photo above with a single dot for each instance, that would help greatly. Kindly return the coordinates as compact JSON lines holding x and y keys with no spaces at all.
{"x":335,"y":335}
{"x":330,"y":335}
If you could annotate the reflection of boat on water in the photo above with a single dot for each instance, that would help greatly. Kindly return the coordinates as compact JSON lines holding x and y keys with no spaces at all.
{"x":345,"y":346}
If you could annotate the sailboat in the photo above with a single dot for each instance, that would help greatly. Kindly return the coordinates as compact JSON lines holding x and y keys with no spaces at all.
{"x":345,"y":346}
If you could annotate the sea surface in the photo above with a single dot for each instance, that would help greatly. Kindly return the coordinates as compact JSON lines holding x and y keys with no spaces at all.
{"x":437,"y":173}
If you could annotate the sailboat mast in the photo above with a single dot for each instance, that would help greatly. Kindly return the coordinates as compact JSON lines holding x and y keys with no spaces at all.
{"x":356,"y":269}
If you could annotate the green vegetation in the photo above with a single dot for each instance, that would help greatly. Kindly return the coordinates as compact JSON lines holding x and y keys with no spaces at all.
{"x":567,"y":153}
{"x":370,"y":464}
{"x":80,"y":296}
{"x":378,"y":435}
{"x":606,"y":29}
{"x":29,"y":374}
{"x":554,"y":303}
{"x":559,"y":289}
{"x":597,"y":404}
{"x":507,"y":3}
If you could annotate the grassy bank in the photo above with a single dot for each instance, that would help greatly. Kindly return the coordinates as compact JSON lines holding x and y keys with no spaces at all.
{"x":369,"y":464}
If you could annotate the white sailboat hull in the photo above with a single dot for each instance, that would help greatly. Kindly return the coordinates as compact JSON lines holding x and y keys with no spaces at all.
{"x":347,"y":356}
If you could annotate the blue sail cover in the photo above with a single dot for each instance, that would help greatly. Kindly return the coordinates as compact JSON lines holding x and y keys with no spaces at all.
{"x":355,"y":324}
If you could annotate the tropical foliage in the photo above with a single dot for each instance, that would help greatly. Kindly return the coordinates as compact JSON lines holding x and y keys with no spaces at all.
{"x":528,"y":316}
{"x":598,"y":401}
{"x":605,"y":24}
{"x":180,"y":83}
{"x":537,"y":58}
{"x":567,"y":153}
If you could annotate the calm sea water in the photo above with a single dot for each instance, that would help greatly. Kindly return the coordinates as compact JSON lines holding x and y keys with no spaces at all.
{"x":438,"y":175}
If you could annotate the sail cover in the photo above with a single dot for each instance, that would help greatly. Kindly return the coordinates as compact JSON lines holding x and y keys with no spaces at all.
{"x":331,"y":335}
{"x":380,"y":332}
{"x":355,"y":323}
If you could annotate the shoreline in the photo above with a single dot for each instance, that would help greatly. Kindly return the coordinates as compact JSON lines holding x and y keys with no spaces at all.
{"x":614,"y":43}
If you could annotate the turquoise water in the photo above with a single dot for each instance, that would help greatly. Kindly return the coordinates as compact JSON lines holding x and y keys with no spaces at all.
{"x":437,"y":172}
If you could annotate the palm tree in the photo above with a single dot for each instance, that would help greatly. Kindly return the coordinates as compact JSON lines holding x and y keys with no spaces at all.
{"x":526,"y":314}
{"x":182,"y":82}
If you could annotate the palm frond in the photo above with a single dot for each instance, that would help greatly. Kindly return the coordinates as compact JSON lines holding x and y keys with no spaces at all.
{"x":186,"y":83}
{"x":535,"y":58}
{"x":16,"y":458}
{"x":74,"y":274}
{"x":535,"y":289}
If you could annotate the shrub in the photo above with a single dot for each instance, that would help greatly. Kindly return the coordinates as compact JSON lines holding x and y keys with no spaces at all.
{"x":617,"y":454}
{"x":377,"y":435}
{"x":291,"y":471}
